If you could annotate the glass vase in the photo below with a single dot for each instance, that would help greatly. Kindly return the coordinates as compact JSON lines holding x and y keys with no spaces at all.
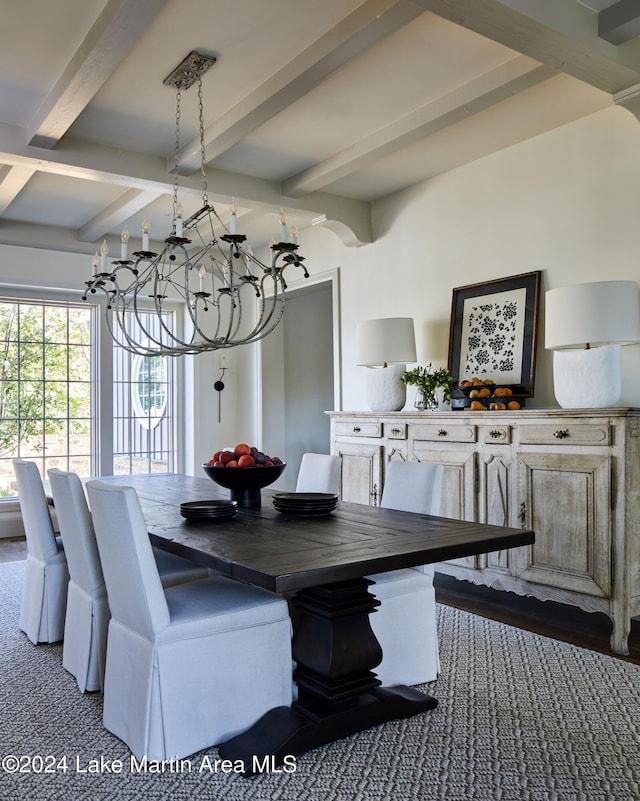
{"x":430,"y":401}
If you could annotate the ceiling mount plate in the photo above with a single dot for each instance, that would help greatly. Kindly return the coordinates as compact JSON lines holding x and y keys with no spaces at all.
{"x":189,"y":70}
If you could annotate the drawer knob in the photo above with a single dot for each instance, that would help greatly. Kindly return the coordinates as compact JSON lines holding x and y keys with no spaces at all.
{"x":561,"y":433}
{"x":396,"y":430}
{"x":356,"y":429}
{"x":441,"y":432}
{"x":496,"y":434}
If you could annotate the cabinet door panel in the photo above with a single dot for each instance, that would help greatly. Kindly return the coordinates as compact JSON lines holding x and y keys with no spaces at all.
{"x":567,"y":503}
{"x":458,"y":493}
{"x":495,"y":498}
{"x":361,"y":472}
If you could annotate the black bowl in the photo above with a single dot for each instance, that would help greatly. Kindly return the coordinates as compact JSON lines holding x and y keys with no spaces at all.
{"x":245,"y":483}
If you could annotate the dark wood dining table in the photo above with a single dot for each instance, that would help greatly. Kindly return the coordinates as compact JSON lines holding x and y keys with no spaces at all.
{"x":320,"y":563}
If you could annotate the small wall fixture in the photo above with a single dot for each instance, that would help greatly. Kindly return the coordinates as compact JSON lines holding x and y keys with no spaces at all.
{"x":585,"y":326}
{"x":385,"y":346}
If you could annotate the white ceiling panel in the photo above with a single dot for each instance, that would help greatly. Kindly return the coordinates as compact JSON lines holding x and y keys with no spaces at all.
{"x":317,"y":108}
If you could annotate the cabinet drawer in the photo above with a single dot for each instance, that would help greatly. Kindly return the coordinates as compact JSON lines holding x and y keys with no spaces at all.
{"x":497,"y":433}
{"x":395,"y":430}
{"x":359,"y":428}
{"x":569,"y":434}
{"x":443,"y":432}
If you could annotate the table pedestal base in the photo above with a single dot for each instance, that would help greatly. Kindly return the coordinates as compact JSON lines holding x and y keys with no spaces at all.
{"x":338,"y":694}
{"x":285,"y":731}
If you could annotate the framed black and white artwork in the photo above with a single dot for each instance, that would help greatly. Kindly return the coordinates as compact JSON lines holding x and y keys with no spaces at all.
{"x":493,"y":331}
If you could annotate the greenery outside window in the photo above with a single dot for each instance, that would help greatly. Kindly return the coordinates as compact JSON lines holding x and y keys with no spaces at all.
{"x":46,"y":393}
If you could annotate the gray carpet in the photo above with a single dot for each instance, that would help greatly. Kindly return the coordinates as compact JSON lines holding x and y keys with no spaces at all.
{"x":521,"y":718}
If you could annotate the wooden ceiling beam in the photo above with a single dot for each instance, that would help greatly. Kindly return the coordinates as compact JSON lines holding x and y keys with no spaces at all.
{"x":620,"y":23}
{"x":562,"y":34}
{"x":369,"y":24}
{"x":12,"y":181}
{"x":117,"y":213}
{"x":112,"y":36}
{"x":463,"y":102}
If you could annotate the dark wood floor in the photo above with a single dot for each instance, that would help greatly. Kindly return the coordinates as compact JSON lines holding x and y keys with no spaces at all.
{"x":585,"y":629}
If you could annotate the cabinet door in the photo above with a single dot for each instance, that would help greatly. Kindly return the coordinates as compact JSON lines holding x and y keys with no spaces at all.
{"x":566,"y":500}
{"x":495,"y":498}
{"x":361,"y":472}
{"x":458,"y":485}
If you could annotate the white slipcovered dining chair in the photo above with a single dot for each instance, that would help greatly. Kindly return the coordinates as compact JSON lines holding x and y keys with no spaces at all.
{"x":87,"y":615}
{"x":44,"y":598}
{"x":405,"y":621}
{"x":319,"y":472}
{"x":187,"y":666}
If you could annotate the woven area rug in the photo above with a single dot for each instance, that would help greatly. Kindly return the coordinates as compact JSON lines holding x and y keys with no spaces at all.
{"x":520,"y":718}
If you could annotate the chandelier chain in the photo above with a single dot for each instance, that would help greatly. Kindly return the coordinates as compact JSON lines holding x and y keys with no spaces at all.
{"x":203,"y":161}
{"x":176,"y":158}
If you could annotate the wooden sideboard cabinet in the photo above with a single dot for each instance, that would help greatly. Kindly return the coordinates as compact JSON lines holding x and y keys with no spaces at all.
{"x":570,"y":475}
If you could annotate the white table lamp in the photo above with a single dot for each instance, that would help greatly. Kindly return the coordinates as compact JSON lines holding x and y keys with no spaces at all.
{"x":585,"y":326}
{"x":385,"y":346}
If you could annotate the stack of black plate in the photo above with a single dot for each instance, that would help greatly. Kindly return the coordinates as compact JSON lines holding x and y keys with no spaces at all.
{"x":305,"y":503}
{"x":207,"y":511}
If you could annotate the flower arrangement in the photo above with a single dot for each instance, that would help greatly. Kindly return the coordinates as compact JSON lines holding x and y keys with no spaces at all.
{"x":428,"y":381}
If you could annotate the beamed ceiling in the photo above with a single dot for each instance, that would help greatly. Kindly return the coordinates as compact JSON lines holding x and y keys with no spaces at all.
{"x":319,"y":108}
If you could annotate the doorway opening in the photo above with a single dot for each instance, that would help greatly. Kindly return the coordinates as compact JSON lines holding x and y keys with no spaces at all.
{"x":300,"y":375}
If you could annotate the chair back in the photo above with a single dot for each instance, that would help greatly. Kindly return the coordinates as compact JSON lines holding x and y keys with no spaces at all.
{"x":413,"y":487}
{"x":319,"y":472}
{"x":36,"y":517}
{"x":134,"y":589}
{"x":76,"y":529}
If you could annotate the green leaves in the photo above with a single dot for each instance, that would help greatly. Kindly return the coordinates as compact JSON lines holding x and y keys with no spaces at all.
{"x":427,"y":380}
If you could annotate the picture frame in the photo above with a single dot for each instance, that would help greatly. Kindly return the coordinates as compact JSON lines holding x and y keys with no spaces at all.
{"x":493,"y":331}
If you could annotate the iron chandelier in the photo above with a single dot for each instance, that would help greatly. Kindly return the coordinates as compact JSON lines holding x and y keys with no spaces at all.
{"x":230,"y":296}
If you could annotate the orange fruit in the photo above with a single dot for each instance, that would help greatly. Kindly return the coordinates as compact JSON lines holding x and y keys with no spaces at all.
{"x":513,"y":405}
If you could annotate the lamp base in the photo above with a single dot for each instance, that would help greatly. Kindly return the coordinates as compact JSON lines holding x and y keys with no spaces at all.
{"x":385,"y":390}
{"x":588,"y":379}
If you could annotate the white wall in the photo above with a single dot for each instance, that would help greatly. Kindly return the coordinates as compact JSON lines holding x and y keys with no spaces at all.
{"x":566,"y":202}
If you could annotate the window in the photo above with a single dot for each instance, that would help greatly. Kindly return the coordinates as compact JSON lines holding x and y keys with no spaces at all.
{"x":49,"y":376}
{"x":143,"y":419}
{"x":46,"y":392}
{"x":149,"y":389}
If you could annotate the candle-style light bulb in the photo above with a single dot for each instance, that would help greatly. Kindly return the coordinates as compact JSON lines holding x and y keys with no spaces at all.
{"x":145,"y":235}
{"x":283,"y":227}
{"x":103,"y":256}
{"x":294,"y":234}
{"x":232,"y":218}
{"x":179,"y":219}
{"x":123,"y":244}
{"x":94,"y":264}
{"x":202,"y":273}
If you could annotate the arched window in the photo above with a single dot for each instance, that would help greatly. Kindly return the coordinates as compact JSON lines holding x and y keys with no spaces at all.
{"x":149,"y":389}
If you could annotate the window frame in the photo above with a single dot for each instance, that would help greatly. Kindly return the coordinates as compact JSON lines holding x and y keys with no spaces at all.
{"x":102,"y":457}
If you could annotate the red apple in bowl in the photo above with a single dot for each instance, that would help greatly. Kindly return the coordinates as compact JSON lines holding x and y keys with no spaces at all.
{"x":254,"y":469}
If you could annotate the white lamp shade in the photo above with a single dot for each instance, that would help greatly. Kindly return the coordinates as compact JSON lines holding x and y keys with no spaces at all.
{"x":599,"y":313}
{"x":390,"y":340}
